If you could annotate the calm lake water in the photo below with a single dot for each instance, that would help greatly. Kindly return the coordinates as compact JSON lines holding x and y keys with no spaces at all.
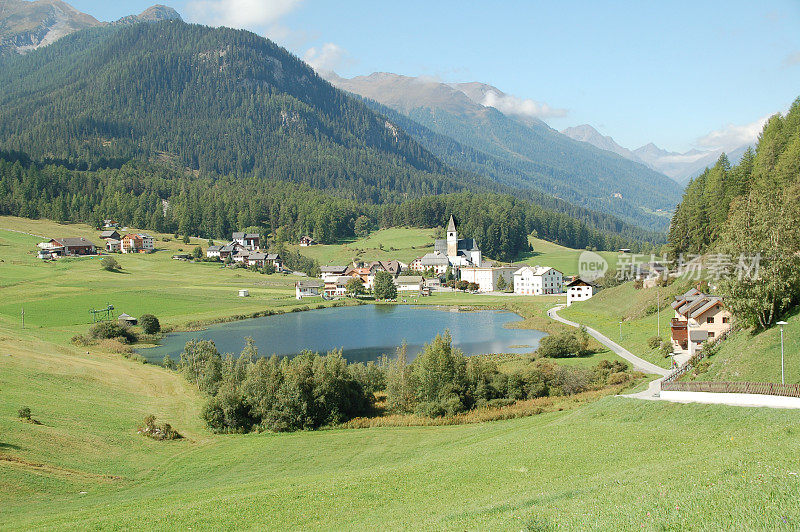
{"x":363,"y":333}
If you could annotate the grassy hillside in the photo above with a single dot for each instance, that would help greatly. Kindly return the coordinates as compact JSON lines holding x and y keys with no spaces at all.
{"x":562,"y":258}
{"x":400,"y":243}
{"x":636,"y":309}
{"x":745,"y":356}
{"x":617,"y":463}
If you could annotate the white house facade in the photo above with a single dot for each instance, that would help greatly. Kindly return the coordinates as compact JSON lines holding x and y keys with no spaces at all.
{"x":488,"y":278}
{"x":579,"y":290}
{"x":537,"y":281}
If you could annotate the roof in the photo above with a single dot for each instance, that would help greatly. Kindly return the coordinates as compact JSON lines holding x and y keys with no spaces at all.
{"x":272,"y":256}
{"x":73,"y":241}
{"x":214,"y":248}
{"x":709,"y":304}
{"x":112,"y":241}
{"x":409,"y":279}
{"x":698,"y":335}
{"x":579,"y":282}
{"x":433,"y":259}
{"x":257,"y":256}
{"x":332,"y":269}
{"x":311,"y":283}
{"x":463,"y":244}
{"x":535,"y":270}
{"x":341,"y":279}
{"x":126,"y":317}
{"x":451,"y":225}
{"x":237,"y":236}
{"x":109,"y":234}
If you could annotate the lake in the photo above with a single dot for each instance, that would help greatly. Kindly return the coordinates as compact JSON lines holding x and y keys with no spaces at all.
{"x":363,"y":332}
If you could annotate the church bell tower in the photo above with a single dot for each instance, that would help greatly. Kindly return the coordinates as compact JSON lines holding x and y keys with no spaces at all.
{"x":452,"y":238}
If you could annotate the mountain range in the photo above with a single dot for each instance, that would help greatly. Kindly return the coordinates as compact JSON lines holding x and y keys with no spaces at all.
{"x":26,"y":26}
{"x":225,"y":101}
{"x":681,"y":167}
{"x":518,"y":150}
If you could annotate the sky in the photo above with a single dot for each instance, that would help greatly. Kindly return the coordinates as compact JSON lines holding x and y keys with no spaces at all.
{"x":699,"y":74}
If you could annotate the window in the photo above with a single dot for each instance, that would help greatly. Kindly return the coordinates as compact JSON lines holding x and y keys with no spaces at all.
{"x":710,"y":319}
{"x":725,"y":319}
{"x":711,"y":334}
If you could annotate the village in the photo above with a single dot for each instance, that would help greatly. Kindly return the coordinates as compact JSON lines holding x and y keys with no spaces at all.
{"x":456,"y":264}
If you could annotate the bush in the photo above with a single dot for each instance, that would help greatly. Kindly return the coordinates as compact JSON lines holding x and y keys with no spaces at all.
{"x":24,"y":413}
{"x":110,"y":264}
{"x":619,"y":378}
{"x":149,"y":324}
{"x":163,"y":431}
{"x":113,"y":330}
{"x":197,"y":253}
{"x":168,"y":362}
{"x":564,"y":345}
{"x":654,"y":342}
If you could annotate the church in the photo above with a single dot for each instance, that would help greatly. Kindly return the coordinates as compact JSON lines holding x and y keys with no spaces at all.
{"x":460,"y":252}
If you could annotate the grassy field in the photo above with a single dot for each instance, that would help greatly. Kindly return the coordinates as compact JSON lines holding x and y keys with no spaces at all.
{"x":559,"y":257}
{"x":57,"y":296}
{"x":399,"y":243}
{"x":612,"y":464}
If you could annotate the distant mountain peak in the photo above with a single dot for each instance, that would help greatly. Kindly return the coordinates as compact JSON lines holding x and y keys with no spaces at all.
{"x":587,"y":133}
{"x":155,"y":13}
{"x":26,"y":26}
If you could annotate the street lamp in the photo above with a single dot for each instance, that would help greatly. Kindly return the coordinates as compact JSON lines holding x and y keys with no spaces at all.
{"x":782,"y":323}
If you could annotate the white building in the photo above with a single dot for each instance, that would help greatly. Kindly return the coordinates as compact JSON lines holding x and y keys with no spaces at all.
{"x":579,"y":290}
{"x":113,"y":245}
{"x":331,"y":273}
{"x":537,"y":281}
{"x":410,"y":283}
{"x":487,"y":278}
{"x":251,"y":241}
{"x":436,"y":262}
{"x":309,"y":288}
{"x":460,"y":252}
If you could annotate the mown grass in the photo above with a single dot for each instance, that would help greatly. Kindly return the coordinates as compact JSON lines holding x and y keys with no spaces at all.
{"x":562,"y":258}
{"x":614,"y":463}
{"x":57,"y":296}
{"x":399,"y":243}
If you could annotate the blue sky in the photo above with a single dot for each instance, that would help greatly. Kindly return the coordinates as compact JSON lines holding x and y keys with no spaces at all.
{"x":680,"y":74}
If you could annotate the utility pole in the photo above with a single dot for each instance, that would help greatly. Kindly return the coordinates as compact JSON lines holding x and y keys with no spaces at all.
{"x":782,"y":323}
{"x":658,"y":311}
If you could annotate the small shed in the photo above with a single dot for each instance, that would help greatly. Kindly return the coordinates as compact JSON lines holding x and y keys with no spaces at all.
{"x":244,"y":293}
{"x":128,"y":319}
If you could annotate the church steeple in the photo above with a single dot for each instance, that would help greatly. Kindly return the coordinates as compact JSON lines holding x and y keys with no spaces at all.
{"x":452,"y":238}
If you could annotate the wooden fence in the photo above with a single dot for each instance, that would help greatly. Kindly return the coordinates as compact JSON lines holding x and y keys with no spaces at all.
{"x":764,"y":388}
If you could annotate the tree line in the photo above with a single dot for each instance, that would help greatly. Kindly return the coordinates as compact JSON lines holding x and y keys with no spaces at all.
{"x":157,"y":197}
{"x":310,"y":391}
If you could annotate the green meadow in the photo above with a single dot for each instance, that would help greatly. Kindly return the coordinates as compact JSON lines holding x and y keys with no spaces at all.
{"x":561,"y":258}
{"x":399,"y":243}
{"x":613,"y":463}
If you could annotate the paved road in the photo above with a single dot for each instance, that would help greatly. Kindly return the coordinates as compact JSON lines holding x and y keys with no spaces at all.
{"x":638,"y":363}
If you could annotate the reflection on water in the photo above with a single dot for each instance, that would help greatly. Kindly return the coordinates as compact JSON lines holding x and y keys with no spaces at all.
{"x":363,"y":333}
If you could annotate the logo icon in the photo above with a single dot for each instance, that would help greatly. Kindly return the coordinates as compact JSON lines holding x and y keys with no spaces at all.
{"x":591,"y":266}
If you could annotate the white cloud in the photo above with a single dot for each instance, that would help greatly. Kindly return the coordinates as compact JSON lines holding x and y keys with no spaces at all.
{"x":247,"y":14}
{"x":732,"y":136}
{"x":327,"y":58}
{"x":505,"y":103}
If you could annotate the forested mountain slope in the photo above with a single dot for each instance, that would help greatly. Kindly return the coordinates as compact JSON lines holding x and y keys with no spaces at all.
{"x":534,"y":155}
{"x":215,"y":100}
{"x":736,"y":213}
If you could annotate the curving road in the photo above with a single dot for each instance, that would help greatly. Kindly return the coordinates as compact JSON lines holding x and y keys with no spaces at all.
{"x":638,"y":363}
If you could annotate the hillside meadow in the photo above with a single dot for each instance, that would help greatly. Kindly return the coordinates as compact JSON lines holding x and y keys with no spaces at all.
{"x":614,"y":463}
{"x":601,"y":462}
